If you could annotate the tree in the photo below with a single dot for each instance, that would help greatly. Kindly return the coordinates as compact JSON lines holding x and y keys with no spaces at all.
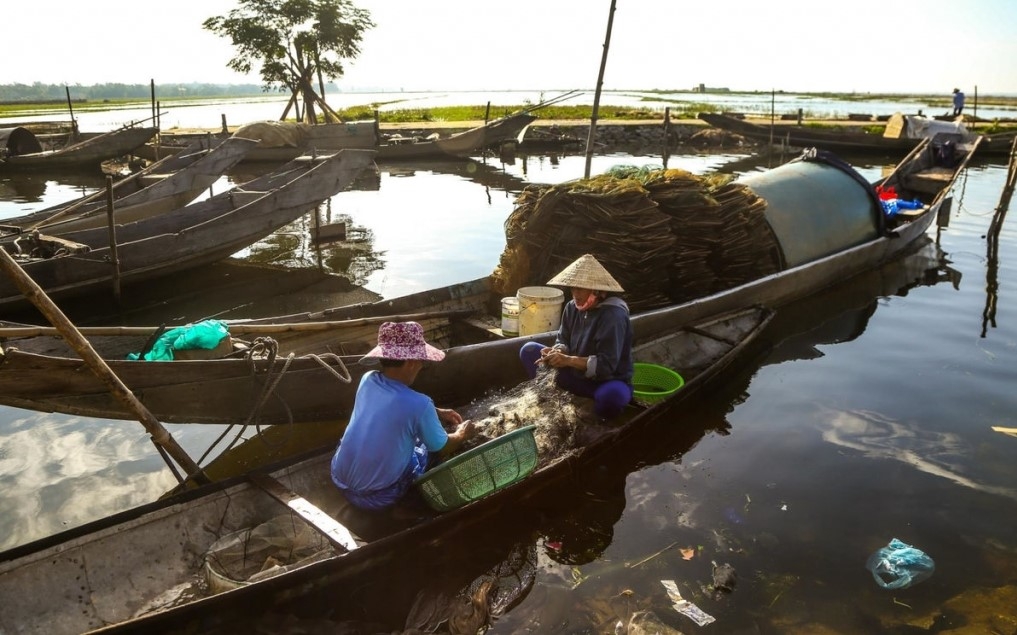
{"x":296,"y":42}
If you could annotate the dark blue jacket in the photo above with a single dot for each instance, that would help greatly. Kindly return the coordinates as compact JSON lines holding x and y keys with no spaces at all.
{"x":604,"y":333}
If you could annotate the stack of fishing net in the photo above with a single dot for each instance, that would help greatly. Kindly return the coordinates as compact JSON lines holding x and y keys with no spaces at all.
{"x":666,"y":235}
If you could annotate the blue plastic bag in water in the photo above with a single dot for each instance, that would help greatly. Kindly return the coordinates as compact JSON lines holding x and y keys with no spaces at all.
{"x":899,"y":565}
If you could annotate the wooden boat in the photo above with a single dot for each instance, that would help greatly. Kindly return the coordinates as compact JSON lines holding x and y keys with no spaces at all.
{"x":40,"y":372}
{"x":283,"y":141}
{"x":460,"y":144}
{"x":20,"y":154}
{"x":183,"y":239}
{"x":143,"y":570}
{"x":853,"y":140}
{"x":163,"y":186}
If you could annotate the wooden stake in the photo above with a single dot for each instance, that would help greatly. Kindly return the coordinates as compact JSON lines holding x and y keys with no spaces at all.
{"x":34,"y":293}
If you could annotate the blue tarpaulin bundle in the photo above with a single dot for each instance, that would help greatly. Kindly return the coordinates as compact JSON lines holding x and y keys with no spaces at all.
{"x":206,"y":334}
{"x":899,"y":565}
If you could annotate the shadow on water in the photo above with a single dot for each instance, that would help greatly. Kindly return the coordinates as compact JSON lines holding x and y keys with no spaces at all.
{"x":483,"y":565}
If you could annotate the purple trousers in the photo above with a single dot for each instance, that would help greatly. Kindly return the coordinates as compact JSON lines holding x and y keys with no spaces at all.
{"x":609,"y":397}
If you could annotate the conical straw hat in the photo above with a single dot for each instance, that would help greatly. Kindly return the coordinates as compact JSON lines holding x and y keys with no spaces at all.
{"x":586,"y":273}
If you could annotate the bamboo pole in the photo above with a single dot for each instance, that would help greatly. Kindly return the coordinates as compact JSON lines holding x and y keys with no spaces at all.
{"x":34,"y":293}
{"x":591,"y":138}
{"x":1011,"y":182}
{"x":236,"y":329}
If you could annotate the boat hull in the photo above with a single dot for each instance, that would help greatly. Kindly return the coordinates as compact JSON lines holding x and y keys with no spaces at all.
{"x":306,"y":389}
{"x":133,"y":572}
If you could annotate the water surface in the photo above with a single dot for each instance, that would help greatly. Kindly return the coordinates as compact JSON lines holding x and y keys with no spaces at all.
{"x":870,"y":418}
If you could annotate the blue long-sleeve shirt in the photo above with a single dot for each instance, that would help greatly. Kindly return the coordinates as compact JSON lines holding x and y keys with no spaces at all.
{"x":604,"y":334}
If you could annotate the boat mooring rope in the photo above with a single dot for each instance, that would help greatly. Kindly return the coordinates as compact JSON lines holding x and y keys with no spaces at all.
{"x":269,"y":347}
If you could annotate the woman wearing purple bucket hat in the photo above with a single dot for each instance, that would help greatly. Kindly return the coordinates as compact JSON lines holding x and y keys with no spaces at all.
{"x":394,"y":430}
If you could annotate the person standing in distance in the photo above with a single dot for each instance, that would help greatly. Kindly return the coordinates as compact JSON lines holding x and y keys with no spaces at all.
{"x":958,"y":102}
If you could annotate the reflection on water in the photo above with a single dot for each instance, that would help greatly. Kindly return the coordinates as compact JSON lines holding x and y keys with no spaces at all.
{"x":50,"y":484}
{"x":877,"y":436}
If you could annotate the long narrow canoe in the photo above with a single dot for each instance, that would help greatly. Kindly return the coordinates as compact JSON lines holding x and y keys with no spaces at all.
{"x":853,"y":140}
{"x":84,"y":155}
{"x":144,"y":570}
{"x":39,"y":372}
{"x":182,"y":239}
{"x":163,"y":186}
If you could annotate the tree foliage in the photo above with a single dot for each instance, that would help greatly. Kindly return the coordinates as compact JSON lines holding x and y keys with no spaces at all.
{"x":296,"y":42}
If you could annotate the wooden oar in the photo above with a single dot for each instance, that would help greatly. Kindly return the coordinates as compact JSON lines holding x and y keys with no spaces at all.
{"x":34,"y":293}
{"x":237,"y":329}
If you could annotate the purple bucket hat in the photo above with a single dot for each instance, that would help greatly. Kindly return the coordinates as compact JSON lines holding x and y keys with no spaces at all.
{"x":404,"y":340}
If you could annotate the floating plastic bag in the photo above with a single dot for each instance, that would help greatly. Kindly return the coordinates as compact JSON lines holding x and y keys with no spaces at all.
{"x":205,"y":334}
{"x":685,"y":607}
{"x":899,"y":565}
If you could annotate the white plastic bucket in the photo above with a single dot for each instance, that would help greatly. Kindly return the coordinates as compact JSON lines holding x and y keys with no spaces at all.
{"x":510,"y":316}
{"x":539,"y":309}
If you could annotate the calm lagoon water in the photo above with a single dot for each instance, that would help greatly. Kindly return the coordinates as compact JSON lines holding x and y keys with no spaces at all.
{"x":870,"y":418}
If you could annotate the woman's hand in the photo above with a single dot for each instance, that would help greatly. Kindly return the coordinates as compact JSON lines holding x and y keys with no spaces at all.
{"x":449,"y":417}
{"x":557,"y":359}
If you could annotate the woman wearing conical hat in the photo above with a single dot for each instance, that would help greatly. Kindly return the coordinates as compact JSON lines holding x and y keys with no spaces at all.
{"x":593,"y":350}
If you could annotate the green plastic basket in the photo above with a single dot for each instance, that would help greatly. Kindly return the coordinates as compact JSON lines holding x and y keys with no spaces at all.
{"x":480,"y":471}
{"x":652,"y":383}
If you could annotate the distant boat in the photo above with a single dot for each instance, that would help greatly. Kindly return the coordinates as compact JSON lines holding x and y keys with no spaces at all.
{"x":81,"y":262}
{"x":282,"y":141}
{"x":21,"y":150}
{"x":853,"y":140}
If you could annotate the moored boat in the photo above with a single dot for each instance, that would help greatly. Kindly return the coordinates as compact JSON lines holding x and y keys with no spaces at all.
{"x":79,"y":262}
{"x":853,"y":139}
{"x":165,"y":185}
{"x":815,"y":253}
{"x":143,"y":570}
{"x":282,"y":141}
{"x":20,"y":153}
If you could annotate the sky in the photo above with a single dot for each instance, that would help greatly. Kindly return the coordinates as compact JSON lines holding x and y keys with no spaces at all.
{"x":866,"y":46}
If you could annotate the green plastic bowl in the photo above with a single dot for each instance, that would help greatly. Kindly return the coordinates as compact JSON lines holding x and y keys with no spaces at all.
{"x":652,"y":383}
{"x":480,"y":471}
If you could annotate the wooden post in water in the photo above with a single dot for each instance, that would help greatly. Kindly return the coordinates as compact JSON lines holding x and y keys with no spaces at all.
{"x":592,"y":137}
{"x":111,"y":224}
{"x":667,"y":134}
{"x":38,"y":297}
{"x":773,"y":113}
{"x":70,"y":108}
